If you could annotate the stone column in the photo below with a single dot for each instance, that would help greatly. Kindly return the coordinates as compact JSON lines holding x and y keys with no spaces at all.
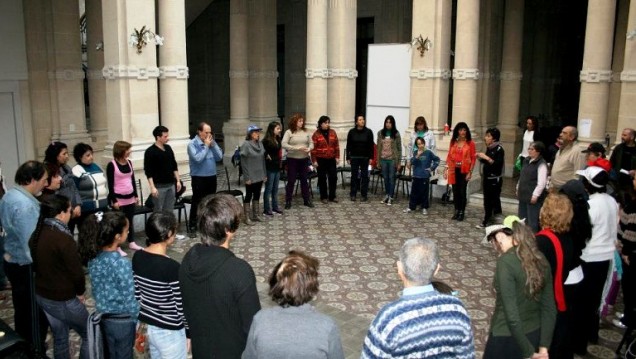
{"x":262,"y":61}
{"x":96,"y":83}
{"x":430,"y":73}
{"x":627,"y":107}
{"x":341,"y":47}
{"x":597,"y":71}
{"x":466,"y":73}
{"x":131,"y":77}
{"x":234,"y":128}
{"x":173,"y":77}
{"x":510,"y":87}
{"x":66,"y":77}
{"x":317,"y":71}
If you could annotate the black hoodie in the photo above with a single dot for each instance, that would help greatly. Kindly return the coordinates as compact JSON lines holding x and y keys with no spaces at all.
{"x":219,"y":301}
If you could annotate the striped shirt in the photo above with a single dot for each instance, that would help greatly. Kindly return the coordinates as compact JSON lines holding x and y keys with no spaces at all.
{"x":157,"y":290}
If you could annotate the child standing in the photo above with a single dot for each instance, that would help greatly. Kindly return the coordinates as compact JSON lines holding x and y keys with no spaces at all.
{"x":112,"y":279}
{"x":492,"y":161}
{"x":424,"y":162}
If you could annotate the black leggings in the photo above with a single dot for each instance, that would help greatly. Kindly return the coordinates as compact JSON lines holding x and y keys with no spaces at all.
{"x":253,"y":189}
{"x":459,"y":190}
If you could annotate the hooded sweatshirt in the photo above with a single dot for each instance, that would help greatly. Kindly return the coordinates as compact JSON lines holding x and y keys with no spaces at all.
{"x":219,"y":301}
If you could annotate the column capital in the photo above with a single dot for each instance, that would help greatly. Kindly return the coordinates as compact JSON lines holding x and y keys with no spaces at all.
{"x":66,"y":74}
{"x":595,"y":76}
{"x":177,"y":72}
{"x":263,"y":74}
{"x":430,"y":73}
{"x":628,"y":76}
{"x":466,"y":74}
{"x":112,"y":72}
{"x":510,"y":76}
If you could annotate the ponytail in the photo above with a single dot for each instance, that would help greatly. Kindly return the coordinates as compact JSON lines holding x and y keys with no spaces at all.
{"x":98,"y":231}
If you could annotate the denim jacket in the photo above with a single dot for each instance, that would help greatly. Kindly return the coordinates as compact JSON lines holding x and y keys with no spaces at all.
{"x":424,"y":165}
{"x":202,"y":158}
{"x":19,"y":212}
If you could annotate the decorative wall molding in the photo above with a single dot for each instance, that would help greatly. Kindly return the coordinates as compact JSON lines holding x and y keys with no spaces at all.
{"x":466,"y":74}
{"x":176,"y":72}
{"x":113,"y":72}
{"x":66,"y":74}
{"x":628,"y":76}
{"x":429,"y":73}
{"x":238,"y":74}
{"x":331,"y":73}
{"x":95,"y":75}
{"x":263,"y":74}
{"x":510,"y":76}
{"x":595,"y":76}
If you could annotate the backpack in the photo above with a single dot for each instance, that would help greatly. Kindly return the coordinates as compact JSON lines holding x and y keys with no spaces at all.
{"x":236,"y":157}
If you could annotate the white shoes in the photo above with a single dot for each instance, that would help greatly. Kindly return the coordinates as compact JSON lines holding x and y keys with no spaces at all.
{"x":424,"y":211}
{"x":617,"y":323}
{"x":407,"y":210}
{"x":179,"y":237}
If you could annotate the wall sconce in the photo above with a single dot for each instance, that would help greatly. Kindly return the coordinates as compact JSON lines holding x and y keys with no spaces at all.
{"x":422,"y":44}
{"x":99,"y":46}
{"x":140,"y":38}
{"x":631,"y":35}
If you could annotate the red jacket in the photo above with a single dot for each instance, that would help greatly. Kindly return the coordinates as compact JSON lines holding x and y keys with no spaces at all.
{"x":601,"y":162}
{"x":469,"y":158}
{"x":322,"y":149}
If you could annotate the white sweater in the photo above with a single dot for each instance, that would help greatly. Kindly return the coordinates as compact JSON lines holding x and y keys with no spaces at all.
{"x":604,"y":218}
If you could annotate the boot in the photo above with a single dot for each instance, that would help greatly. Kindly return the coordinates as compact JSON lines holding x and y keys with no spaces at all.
{"x":247,"y":212}
{"x":256,"y":214}
{"x":456,"y":215}
{"x":460,"y":216}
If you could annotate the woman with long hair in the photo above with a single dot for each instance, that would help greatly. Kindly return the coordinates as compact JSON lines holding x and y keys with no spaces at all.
{"x":59,"y":275}
{"x":57,"y":153}
{"x":158,"y":292}
{"x":420,"y":129}
{"x":530,"y":135}
{"x":253,"y":166}
{"x":627,"y":238}
{"x":325,"y":157}
{"x":272,"y":145}
{"x":523,"y":321}
{"x":111,"y":278}
{"x":389,"y":154}
{"x":122,"y":189}
{"x":460,"y":163}
{"x":359,"y":154}
{"x":275,"y":332}
{"x":531,"y":186}
{"x":298,"y":144}
{"x":557,"y":246}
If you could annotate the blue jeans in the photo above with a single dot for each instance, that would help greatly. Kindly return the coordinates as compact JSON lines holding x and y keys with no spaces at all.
{"x":63,"y":315}
{"x":388,"y":173}
{"x":166,"y":343}
{"x":271,"y":191}
{"x":120,"y":337}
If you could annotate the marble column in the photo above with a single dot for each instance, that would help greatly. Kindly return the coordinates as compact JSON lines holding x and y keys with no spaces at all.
{"x":173,"y":77}
{"x":96,"y":83}
{"x":317,"y":71}
{"x":466,"y":72}
{"x":510,"y":86}
{"x":596,"y":73}
{"x":131,"y":77}
{"x":627,"y":107}
{"x":234,"y":128}
{"x":430,"y":73}
{"x":341,"y":47}
{"x":262,"y":62}
{"x":618,"y":58}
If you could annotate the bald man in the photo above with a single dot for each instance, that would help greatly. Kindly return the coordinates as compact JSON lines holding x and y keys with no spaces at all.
{"x":568,"y":159}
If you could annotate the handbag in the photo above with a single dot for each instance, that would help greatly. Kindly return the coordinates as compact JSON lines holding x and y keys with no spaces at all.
{"x":141,"y":335}
{"x":518,"y":163}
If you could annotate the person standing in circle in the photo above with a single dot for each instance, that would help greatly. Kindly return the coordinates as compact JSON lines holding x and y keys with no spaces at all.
{"x":325,"y":156}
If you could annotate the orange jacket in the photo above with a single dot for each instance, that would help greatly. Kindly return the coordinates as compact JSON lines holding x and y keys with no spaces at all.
{"x":322,"y":149}
{"x":469,"y":157}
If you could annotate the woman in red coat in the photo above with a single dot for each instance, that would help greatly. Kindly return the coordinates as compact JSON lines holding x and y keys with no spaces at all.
{"x":325,"y":156}
{"x":460,"y":163}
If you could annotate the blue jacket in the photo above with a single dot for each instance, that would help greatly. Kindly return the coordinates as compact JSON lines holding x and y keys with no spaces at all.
{"x":425,"y":165}
{"x":202,"y":158}
{"x":19,"y":212}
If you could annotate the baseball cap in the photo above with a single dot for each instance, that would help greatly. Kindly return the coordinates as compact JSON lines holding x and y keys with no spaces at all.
{"x":507,"y":223}
{"x":252,"y":128}
{"x":594,"y":147}
{"x":595,"y":175}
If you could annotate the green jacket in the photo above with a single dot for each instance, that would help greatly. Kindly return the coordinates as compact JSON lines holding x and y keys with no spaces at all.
{"x":396,"y":148}
{"x":516,"y":314}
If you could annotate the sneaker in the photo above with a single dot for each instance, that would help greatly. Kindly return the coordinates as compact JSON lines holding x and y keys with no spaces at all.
{"x":134,"y":246}
{"x":389,"y":201}
{"x":268,"y":213}
{"x":424,"y":211}
{"x":385,"y":200}
{"x":180,"y":237}
{"x":619,"y":315}
{"x":481,"y":225}
{"x":617,"y":323}
{"x":407,"y":210}
{"x":121,"y":252}
{"x":278,"y":211}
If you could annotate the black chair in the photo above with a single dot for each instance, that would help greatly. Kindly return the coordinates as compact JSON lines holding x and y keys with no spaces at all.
{"x":404,"y":177}
{"x":229,"y":190}
{"x":180,"y":201}
{"x":342,"y":170}
{"x":375,"y":177}
{"x":141,"y":208}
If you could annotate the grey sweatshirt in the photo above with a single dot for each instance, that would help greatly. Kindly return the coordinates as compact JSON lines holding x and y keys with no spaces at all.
{"x":253,"y":161}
